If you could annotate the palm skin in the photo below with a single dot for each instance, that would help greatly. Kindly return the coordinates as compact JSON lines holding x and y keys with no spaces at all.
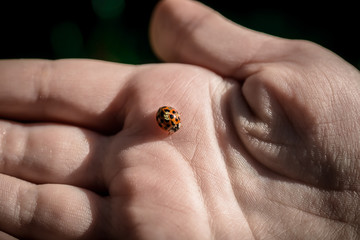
{"x":154,"y":184}
{"x":268,"y":147}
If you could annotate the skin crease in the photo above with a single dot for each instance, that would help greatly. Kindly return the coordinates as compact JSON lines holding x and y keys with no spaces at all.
{"x":268,"y":148}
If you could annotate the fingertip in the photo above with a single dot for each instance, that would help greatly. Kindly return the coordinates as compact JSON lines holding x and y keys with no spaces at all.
{"x":171,"y":22}
{"x":163,"y":19}
{"x":189,"y":32}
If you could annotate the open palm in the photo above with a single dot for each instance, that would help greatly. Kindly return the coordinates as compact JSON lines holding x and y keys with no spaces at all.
{"x":257,"y":157}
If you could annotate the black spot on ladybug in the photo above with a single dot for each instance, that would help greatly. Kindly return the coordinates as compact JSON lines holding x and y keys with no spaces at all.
{"x":172,"y":116}
{"x":166,"y":110}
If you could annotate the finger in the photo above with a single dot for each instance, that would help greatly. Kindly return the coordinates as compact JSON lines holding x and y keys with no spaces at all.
{"x":83,"y":92}
{"x":49,"y":211}
{"x":5,"y":236}
{"x":45,"y":153}
{"x":189,"y":32}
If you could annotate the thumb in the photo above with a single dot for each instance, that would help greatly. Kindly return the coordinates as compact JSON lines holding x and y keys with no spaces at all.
{"x":295,"y":110}
{"x":189,"y":32}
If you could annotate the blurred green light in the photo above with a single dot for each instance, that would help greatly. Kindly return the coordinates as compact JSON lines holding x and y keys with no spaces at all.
{"x":108,"y":9}
{"x":67,"y":40}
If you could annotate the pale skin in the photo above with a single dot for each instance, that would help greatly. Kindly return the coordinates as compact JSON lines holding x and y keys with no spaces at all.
{"x":269,"y":146}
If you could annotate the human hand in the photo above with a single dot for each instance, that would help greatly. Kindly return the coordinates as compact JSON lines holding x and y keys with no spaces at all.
{"x":262,"y":152}
{"x":93,"y":164}
{"x":294,"y":163}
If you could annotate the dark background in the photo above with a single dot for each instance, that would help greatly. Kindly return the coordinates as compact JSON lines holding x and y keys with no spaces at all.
{"x":117,"y":30}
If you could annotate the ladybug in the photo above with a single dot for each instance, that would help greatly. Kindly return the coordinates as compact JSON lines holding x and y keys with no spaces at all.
{"x":168,"y":119}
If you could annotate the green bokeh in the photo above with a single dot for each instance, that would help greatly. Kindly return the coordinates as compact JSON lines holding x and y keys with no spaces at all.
{"x":108,"y":9}
{"x":117,"y":30}
{"x":67,"y":40}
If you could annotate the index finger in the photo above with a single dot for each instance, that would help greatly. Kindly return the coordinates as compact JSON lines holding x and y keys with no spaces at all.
{"x":81,"y":92}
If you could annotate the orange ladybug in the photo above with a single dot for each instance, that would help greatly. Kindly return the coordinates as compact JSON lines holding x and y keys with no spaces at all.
{"x":168,"y":119}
